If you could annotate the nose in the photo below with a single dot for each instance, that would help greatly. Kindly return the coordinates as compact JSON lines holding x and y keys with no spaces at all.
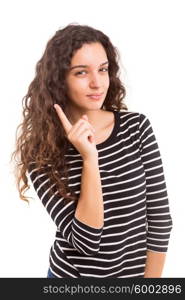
{"x":94,"y":81}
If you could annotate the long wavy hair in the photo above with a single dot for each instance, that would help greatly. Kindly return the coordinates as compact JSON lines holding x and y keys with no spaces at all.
{"x":40,"y":138}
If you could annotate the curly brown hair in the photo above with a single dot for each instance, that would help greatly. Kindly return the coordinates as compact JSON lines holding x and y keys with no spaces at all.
{"x":42,"y":139}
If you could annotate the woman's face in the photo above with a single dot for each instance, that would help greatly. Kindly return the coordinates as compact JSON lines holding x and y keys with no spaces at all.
{"x":88,"y":75}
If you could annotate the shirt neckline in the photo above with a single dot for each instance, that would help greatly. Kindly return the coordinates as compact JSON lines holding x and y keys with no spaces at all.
{"x":113,"y":134}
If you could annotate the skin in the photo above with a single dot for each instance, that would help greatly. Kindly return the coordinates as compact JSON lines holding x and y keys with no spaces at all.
{"x":91,"y":77}
{"x":154,"y":264}
{"x":80,"y":134}
{"x":83,"y":81}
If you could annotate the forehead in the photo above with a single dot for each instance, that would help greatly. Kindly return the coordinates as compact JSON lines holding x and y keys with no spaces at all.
{"x":89,"y":54}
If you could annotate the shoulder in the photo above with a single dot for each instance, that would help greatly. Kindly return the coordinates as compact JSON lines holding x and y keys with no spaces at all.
{"x":131,"y":116}
{"x":133,"y":121}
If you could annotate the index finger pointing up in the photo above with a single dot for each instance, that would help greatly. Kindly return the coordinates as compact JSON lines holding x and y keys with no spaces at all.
{"x":65,"y":122}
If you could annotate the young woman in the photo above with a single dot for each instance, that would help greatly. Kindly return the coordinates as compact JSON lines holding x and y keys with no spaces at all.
{"x":95,"y":166}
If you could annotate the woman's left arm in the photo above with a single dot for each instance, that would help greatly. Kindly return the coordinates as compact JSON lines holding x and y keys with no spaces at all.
{"x":154,"y":264}
{"x":158,"y":217}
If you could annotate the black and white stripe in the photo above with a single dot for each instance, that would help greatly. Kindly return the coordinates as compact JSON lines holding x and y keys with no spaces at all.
{"x":136,"y":208}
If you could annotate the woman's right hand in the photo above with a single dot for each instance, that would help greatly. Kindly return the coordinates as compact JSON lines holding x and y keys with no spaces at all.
{"x":81,"y":134}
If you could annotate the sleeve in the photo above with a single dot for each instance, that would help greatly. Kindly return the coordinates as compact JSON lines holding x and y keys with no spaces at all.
{"x":82,"y":237}
{"x":159,"y":221}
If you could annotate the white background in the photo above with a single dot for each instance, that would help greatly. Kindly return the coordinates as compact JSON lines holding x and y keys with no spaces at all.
{"x":150,"y":37}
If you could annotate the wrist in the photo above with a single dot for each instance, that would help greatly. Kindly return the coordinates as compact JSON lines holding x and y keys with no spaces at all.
{"x":91,"y":158}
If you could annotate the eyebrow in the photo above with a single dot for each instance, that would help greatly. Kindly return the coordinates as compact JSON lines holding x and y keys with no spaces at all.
{"x":85,"y":66}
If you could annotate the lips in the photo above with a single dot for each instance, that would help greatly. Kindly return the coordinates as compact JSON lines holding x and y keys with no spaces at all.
{"x":95,"y":95}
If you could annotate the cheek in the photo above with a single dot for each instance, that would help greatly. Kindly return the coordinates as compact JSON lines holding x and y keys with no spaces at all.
{"x":76,"y":90}
{"x":79,"y":86}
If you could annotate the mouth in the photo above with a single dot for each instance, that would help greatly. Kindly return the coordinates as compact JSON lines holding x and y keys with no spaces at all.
{"x":95,"y":96}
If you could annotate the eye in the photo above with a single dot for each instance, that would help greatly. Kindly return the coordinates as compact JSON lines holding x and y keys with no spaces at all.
{"x":79,"y":73}
{"x":106,"y":69}
{"x":84,"y":72}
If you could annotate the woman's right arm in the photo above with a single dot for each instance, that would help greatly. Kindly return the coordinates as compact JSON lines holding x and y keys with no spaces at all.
{"x":76,"y":223}
{"x":80,"y":222}
{"x":90,"y":208}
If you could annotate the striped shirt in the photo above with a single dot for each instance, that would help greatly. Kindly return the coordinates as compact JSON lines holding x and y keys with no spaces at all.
{"x":136,"y":207}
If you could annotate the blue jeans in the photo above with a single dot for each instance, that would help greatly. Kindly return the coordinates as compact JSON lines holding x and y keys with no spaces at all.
{"x":50,"y":274}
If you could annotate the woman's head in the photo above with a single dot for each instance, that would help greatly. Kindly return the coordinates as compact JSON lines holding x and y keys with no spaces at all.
{"x":88,"y":74}
{"x":42,"y":137}
{"x":65,"y":49}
